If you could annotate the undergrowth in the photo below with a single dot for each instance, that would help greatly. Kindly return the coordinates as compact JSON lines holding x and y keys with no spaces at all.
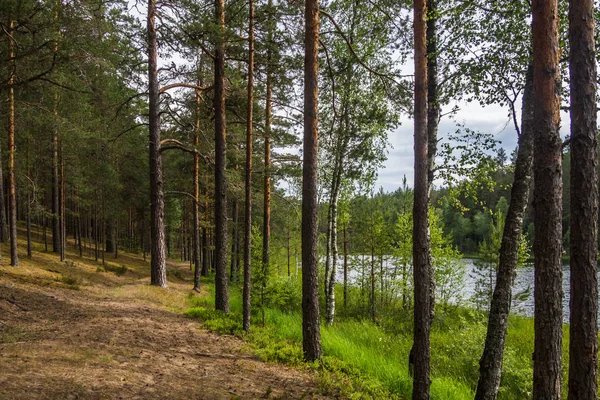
{"x":363,"y":359}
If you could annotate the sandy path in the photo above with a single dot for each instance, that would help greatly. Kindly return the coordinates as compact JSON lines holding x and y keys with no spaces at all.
{"x":57,"y":343}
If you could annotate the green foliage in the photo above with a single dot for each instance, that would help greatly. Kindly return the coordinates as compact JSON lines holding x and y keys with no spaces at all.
{"x":365,"y":360}
{"x":486,"y":266}
{"x":468,"y":165}
{"x":117,"y":270}
{"x":448,"y":268}
{"x":71,"y":282}
{"x":284,"y":294}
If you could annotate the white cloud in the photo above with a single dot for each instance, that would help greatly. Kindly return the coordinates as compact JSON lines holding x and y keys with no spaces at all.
{"x":490,"y":119}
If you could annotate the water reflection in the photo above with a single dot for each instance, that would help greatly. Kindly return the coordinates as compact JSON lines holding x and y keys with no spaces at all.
{"x":523,"y":281}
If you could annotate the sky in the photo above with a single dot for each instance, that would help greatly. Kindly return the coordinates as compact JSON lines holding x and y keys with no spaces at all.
{"x":490,"y":119}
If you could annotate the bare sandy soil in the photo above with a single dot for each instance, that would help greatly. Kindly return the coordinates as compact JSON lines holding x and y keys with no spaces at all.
{"x":71,"y":332}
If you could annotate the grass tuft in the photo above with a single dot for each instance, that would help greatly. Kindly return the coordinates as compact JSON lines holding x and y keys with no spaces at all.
{"x":71,"y":282}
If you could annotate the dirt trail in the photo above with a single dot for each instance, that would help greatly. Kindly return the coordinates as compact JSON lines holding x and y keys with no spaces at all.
{"x":60,"y":343}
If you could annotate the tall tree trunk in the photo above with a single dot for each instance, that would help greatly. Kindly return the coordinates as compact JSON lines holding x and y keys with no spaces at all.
{"x":110,"y":243}
{"x":221,"y":289}
{"x":79,"y":229}
{"x":103,"y":229}
{"x":63,"y":186}
{"x":334,"y":247}
{"x":55,"y":183}
{"x":289,"y":268}
{"x":29,"y":188}
{"x":205,"y":253}
{"x":547,"y":202}
{"x":433,"y":102}
{"x":116,"y":239}
{"x":345,"y":268}
{"x":311,"y":334}
{"x":490,"y":365}
{"x":267,"y":172}
{"x":248,"y":173}
{"x":158,"y":264}
{"x":12,"y":194}
{"x":433,"y":118}
{"x":96,"y":229}
{"x":233,"y":273}
{"x":56,"y":232}
{"x":196,"y":204}
{"x":381,"y":280}
{"x":44,"y":221}
{"x":3,"y":223}
{"x":327,"y":256}
{"x":142,"y":236}
{"x":182,"y":237}
{"x":583,"y":346}
{"x":372,"y":294}
{"x":421,"y":249}
{"x":404,"y":287}
{"x":330,"y":230}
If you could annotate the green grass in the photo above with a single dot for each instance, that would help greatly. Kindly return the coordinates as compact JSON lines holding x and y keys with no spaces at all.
{"x":367,"y":360}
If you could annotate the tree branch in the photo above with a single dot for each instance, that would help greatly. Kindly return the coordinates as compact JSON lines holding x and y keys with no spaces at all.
{"x":185,"y":85}
{"x":174,"y":144}
{"x":182,"y":193}
{"x":351,"y":48}
{"x":125,"y":131}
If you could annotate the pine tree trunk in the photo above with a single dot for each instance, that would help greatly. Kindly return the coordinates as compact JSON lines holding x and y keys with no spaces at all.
{"x":142,"y":236}
{"x":44,"y":221}
{"x":421,"y":249}
{"x":3,"y":223}
{"x":205,"y":253}
{"x":79,"y":229}
{"x":158,"y":266}
{"x":116,"y":239}
{"x":181,"y":238}
{"x":110,"y":247}
{"x":61,"y":205}
{"x":311,"y":335}
{"x":189,"y":251}
{"x":547,"y":194}
{"x":490,"y":365}
{"x":233,"y":272}
{"x":433,"y":117}
{"x":55,"y":183}
{"x":248,"y":174}
{"x":96,"y":229}
{"x":28,"y":208}
{"x":583,"y":346}
{"x":103,"y":230}
{"x":267,"y":172}
{"x":12,"y":194}
{"x":221,"y":289}
{"x":87,"y":244}
{"x":56,"y":232}
{"x":196,"y":205}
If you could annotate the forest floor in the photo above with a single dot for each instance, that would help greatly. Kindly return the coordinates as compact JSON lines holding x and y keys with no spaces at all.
{"x":81,"y":330}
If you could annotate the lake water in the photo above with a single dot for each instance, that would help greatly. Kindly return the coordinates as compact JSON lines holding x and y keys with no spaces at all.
{"x":524,"y":280}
